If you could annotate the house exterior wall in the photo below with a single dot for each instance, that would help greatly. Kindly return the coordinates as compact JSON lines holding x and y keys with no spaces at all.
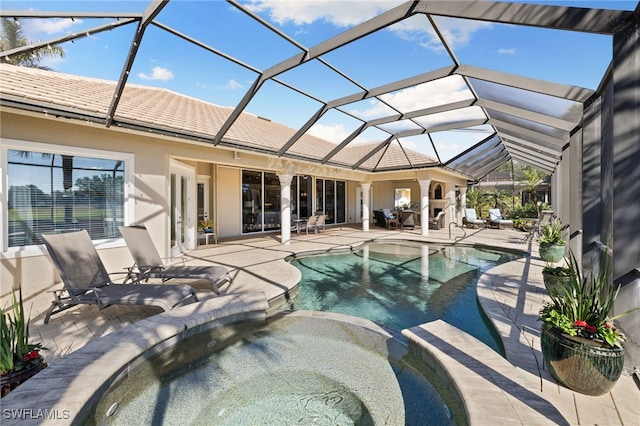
{"x":31,"y":268}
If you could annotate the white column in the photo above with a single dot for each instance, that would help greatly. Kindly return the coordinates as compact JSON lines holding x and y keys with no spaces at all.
{"x":450,"y":209}
{"x":424,"y":205}
{"x":285,"y":208}
{"x":366,"y":200}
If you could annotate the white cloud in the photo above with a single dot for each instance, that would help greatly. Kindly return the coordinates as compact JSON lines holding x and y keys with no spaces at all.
{"x":157,"y":73}
{"x":333,"y":133}
{"x":457,"y":32}
{"x":230,"y":85}
{"x":233,"y":85}
{"x":376,"y":109}
{"x":33,"y":27}
{"x":438,"y":92}
{"x":504,"y":51}
{"x":341,"y":14}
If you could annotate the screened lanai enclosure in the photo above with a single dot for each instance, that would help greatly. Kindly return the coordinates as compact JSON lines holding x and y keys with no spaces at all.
{"x":375,"y":87}
{"x":420,"y":101}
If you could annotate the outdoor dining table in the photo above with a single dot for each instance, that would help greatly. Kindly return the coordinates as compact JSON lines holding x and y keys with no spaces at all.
{"x":299,"y":223}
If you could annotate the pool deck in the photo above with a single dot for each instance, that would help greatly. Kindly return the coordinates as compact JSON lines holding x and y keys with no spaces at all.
{"x":494,"y":389}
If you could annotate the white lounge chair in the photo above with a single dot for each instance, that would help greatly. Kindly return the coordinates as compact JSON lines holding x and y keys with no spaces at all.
{"x":497,"y":221}
{"x":471,"y":220}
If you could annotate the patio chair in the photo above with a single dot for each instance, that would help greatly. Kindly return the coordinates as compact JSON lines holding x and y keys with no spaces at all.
{"x":312,"y":223}
{"x":497,"y":221}
{"x":149,"y":264}
{"x":380,"y":219}
{"x":87,"y":282}
{"x":391,"y":219}
{"x":321,"y":222}
{"x":471,"y":220}
{"x":437,"y":222}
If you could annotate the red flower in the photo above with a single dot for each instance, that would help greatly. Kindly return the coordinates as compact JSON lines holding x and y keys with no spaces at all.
{"x":26,"y":358}
{"x":607,"y":325}
{"x":591,"y":329}
{"x":33,"y":354}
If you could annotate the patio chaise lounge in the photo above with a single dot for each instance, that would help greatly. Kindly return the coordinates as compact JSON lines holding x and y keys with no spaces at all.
{"x":471,"y":220}
{"x":149,"y":264}
{"x":497,"y":221}
{"x":86,"y":280}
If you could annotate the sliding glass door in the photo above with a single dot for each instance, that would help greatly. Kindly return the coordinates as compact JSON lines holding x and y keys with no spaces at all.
{"x":301,"y":196}
{"x":331,"y":200}
{"x":260,"y":201}
{"x":261,"y":197}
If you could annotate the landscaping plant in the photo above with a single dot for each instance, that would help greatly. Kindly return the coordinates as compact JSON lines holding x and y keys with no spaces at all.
{"x":16,"y":351}
{"x":581,"y":308}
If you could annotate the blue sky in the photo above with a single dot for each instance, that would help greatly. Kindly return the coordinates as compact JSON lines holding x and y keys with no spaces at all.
{"x":403,"y":50}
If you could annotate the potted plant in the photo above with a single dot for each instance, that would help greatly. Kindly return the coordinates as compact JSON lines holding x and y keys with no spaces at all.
{"x":19,"y":359}
{"x":206,"y":225}
{"x":582,"y":348}
{"x":551,"y":241}
{"x":555,"y":277}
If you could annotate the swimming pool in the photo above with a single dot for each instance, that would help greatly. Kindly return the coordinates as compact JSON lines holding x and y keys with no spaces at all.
{"x":400,"y":284}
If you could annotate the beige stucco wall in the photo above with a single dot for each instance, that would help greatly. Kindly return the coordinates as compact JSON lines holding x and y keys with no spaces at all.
{"x":152,"y":155}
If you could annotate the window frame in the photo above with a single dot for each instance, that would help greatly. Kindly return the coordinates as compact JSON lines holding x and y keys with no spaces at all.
{"x":38,"y":147}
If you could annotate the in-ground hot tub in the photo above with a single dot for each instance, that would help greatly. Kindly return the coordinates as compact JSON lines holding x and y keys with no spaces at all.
{"x":223,"y":361}
{"x":292,"y":368}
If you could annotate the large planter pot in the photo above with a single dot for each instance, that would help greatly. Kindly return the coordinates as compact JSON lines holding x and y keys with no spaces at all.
{"x":551,"y":252}
{"x":10,"y":381}
{"x":582,"y":365}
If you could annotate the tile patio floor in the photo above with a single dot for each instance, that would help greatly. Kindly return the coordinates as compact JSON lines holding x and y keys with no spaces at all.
{"x":511,"y":294}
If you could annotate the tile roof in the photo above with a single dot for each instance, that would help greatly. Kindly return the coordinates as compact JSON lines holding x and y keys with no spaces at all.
{"x":162,"y":109}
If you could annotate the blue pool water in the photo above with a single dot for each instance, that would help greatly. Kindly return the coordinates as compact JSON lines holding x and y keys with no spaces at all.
{"x":401,"y":285}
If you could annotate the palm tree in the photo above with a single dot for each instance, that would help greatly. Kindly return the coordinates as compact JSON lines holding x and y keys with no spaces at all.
{"x":533,"y":178}
{"x":13,"y":38}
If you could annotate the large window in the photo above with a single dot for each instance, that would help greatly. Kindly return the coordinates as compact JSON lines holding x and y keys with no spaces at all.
{"x":260,"y":201}
{"x":51,"y":191}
